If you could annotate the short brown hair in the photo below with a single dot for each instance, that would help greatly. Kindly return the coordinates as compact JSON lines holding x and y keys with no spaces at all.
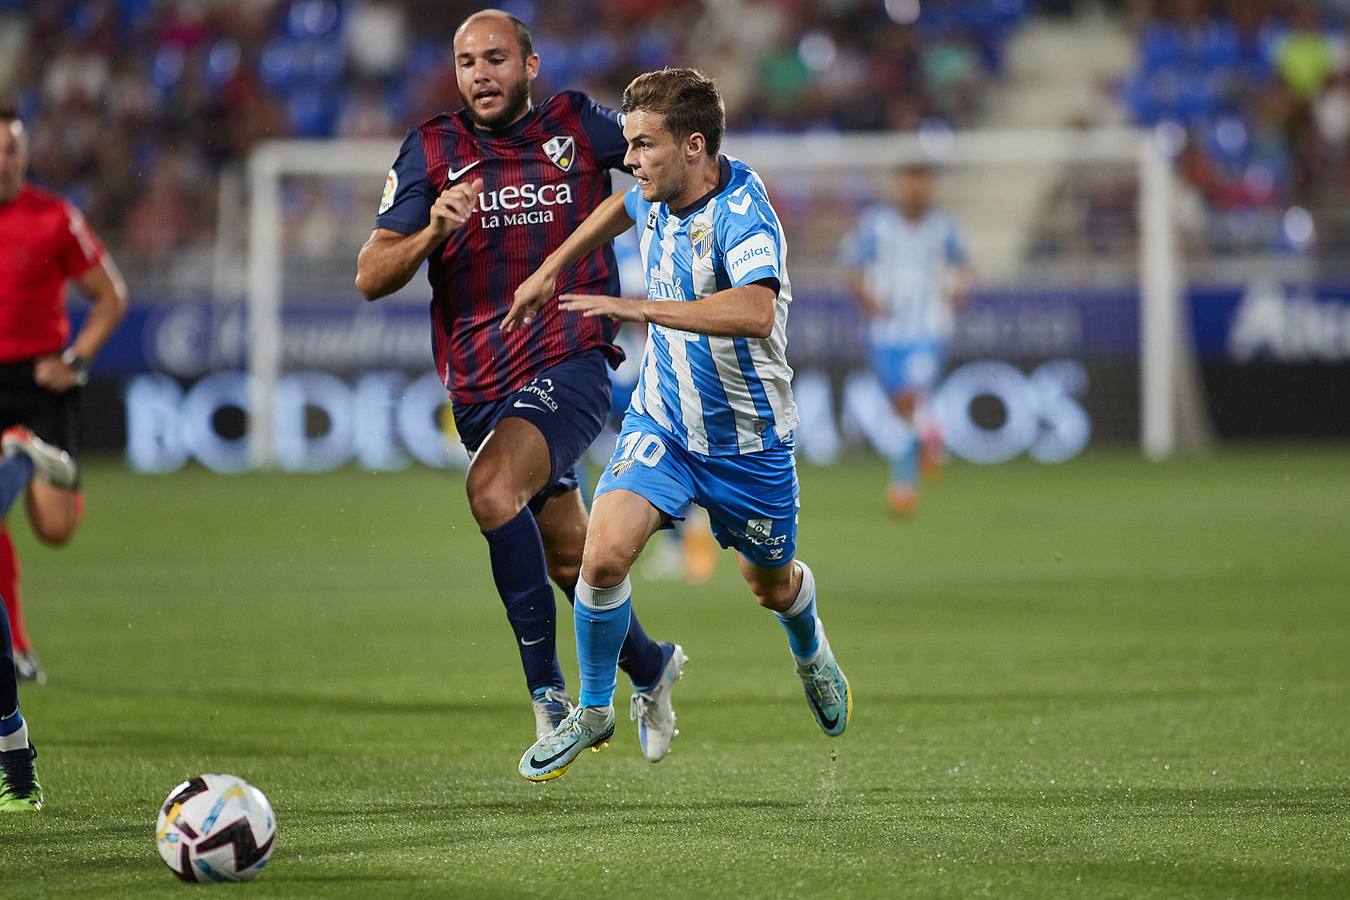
{"x":686,"y":98}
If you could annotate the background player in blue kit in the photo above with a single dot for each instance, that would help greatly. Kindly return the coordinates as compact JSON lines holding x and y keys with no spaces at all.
{"x":483,"y":196}
{"x":906,"y":265}
{"x":712,"y":418}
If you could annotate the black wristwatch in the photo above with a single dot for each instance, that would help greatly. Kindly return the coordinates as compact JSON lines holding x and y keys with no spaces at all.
{"x":79,"y":364}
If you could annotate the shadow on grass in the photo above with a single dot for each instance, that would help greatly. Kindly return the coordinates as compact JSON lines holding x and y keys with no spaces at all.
{"x":281,"y":701}
{"x":1137,"y":802}
{"x":570,"y":805}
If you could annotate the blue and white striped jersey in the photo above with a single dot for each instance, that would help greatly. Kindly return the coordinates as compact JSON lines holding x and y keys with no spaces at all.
{"x":905,"y":265}
{"x":719,"y":396}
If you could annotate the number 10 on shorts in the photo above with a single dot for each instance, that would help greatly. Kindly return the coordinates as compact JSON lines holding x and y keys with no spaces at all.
{"x":636,"y":446}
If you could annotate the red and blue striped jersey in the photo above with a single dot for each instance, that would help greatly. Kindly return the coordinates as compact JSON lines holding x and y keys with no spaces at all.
{"x":541,"y":178}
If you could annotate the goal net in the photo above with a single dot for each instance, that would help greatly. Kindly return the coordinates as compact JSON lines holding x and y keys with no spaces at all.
{"x":1073,"y":335}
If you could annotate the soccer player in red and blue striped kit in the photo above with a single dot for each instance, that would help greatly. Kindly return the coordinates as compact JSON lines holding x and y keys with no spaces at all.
{"x":482,"y":196}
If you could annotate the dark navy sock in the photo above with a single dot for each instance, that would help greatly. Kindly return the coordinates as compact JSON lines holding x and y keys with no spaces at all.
{"x":10,"y":719}
{"x":15,"y":473}
{"x":640,"y":657}
{"x":521,"y":574}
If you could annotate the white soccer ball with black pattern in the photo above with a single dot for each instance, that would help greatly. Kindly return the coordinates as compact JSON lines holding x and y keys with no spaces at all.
{"x":216,"y":828}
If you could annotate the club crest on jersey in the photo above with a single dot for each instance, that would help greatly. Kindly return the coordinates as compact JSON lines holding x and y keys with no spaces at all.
{"x":700,"y":235}
{"x":562,"y":150}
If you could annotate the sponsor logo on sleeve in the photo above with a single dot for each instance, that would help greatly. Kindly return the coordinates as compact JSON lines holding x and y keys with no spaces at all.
{"x":390,"y":188}
{"x":755,"y":252}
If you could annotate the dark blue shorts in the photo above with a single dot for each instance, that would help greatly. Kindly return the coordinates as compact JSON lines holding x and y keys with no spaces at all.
{"x":568,"y":403}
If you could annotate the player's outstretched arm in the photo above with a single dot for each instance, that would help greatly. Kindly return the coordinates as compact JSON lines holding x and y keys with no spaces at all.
{"x":606,"y":222}
{"x":746,"y":311}
{"x":389,"y":260}
{"x":107,"y":294}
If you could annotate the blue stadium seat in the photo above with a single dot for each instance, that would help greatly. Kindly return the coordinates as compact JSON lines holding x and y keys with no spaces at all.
{"x":221,"y":62}
{"x":313,"y":111}
{"x":1159,"y":47}
{"x":312,"y":19}
{"x":167,"y":68}
{"x":276,"y":65}
{"x":1198,"y":97}
{"x":1220,"y":46}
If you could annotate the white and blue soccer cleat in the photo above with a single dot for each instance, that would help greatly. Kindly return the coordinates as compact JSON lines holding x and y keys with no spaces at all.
{"x":653,"y":711}
{"x":585,"y":726}
{"x":827,"y":690}
{"x":550,"y":708}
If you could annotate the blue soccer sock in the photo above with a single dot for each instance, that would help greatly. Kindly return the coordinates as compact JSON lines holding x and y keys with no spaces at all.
{"x":905,"y":461}
{"x":13,"y":731}
{"x":640,"y":657}
{"x":601,"y":616}
{"x":799,"y":620}
{"x":15,"y":473}
{"x":521,"y":574}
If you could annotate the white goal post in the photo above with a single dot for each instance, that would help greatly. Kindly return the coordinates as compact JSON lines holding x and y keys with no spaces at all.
{"x":1164,"y":355}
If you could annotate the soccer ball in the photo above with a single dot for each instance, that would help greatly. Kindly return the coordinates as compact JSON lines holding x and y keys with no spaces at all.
{"x":216,"y":828}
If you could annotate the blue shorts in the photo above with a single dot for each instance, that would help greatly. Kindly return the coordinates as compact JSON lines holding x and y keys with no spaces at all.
{"x":567,"y":402}
{"x":908,"y":365}
{"x":751,"y":499}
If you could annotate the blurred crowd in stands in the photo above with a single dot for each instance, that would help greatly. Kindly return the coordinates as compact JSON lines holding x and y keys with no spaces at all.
{"x":136,"y":106}
{"x":1254,"y":98}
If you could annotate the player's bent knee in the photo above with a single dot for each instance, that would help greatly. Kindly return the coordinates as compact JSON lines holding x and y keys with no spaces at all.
{"x":55,"y":514}
{"x":564,"y":575}
{"x":776,"y":599}
{"x":772,"y":587}
{"x":492,"y":501}
{"x":55,"y":534}
{"x":606,"y":567}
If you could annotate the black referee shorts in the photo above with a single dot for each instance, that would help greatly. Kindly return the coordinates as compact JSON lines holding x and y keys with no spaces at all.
{"x":53,"y":417}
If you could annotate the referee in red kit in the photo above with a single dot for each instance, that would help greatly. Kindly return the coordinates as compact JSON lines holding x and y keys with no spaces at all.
{"x":44,"y":242}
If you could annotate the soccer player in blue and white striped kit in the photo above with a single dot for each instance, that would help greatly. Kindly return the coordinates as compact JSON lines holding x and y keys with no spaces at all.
{"x":712,"y":419}
{"x":906,"y":265}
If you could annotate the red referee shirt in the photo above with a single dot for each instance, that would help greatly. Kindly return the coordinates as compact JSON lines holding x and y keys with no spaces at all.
{"x":44,"y":242}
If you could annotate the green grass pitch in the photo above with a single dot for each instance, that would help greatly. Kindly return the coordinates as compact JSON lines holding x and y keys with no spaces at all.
{"x":1102,"y":679}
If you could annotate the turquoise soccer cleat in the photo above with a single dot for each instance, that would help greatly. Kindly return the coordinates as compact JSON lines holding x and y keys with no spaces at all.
{"x":827,"y":691}
{"x":585,"y":726}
